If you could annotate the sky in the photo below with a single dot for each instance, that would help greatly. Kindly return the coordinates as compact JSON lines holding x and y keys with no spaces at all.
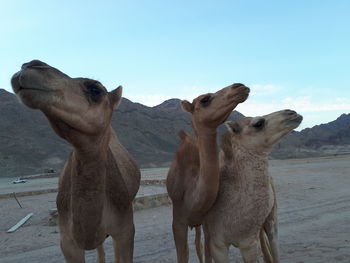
{"x":292,"y":54}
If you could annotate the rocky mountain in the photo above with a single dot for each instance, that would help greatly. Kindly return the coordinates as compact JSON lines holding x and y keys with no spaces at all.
{"x":326,"y":139}
{"x":28,"y":145}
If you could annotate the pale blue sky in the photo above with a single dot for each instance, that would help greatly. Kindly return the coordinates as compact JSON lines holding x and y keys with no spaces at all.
{"x":293,"y":54}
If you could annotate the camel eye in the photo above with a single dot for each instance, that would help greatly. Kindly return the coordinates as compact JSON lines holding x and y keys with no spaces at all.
{"x":205,"y":100}
{"x":259,"y":125}
{"x":93,"y":91}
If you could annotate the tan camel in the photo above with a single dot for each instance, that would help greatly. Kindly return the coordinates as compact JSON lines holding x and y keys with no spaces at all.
{"x":246,"y":206}
{"x":193,"y":178}
{"x":100,"y":179}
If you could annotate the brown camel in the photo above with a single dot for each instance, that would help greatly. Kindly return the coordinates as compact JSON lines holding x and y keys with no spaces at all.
{"x":100,"y":179}
{"x":246,"y":206}
{"x":193,"y":178}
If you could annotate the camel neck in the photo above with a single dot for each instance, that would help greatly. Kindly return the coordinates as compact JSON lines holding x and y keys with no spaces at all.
{"x":88,"y":188}
{"x":89,"y":168}
{"x":88,"y":172}
{"x":208,"y":153}
{"x":94,"y":149}
{"x":208,"y":181}
{"x":92,"y":155}
{"x":249,"y":164}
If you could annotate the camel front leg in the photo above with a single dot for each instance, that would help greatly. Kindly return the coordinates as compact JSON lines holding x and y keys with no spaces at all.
{"x":101,"y":254}
{"x":273,"y":245}
{"x":180,"y":231}
{"x":71,"y":252}
{"x":250,"y":252}
{"x":270,"y":228}
{"x":218,"y":250}
{"x":270,"y":248}
{"x":207,"y":254}
{"x":124,"y":245}
{"x":198,"y":242}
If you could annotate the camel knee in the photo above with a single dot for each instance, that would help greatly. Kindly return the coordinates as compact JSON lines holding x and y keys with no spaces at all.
{"x":219,"y":251}
{"x":250,"y":252}
{"x":71,"y":252}
{"x":124,"y":246}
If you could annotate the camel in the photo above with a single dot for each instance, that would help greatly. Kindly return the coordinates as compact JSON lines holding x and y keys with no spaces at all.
{"x":100,"y":179}
{"x":246,"y":208}
{"x":193,"y":178}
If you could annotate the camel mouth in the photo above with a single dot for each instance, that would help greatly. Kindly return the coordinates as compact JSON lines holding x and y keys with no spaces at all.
{"x":295,"y":120}
{"x":26,"y":88}
{"x":16,"y":87}
{"x":242,"y":94}
{"x":31,"y":93}
{"x":20,"y":85}
{"x":298,"y":119}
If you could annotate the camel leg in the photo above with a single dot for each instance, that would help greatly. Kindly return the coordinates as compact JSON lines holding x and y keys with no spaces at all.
{"x":71,"y":252}
{"x":208,"y":258}
{"x":250,"y":253}
{"x":180,"y":231}
{"x":101,"y":254}
{"x":273,"y":243}
{"x":199,"y":246}
{"x":265,"y":246}
{"x":219,"y":251}
{"x":124,"y":246}
{"x":270,"y":228}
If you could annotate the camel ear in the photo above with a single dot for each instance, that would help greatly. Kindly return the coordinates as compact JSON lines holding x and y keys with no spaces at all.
{"x":233,"y":126}
{"x":115,"y":96}
{"x":187,"y":106}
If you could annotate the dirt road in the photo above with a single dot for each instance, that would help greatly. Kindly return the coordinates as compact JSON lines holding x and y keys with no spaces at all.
{"x":314,"y":220}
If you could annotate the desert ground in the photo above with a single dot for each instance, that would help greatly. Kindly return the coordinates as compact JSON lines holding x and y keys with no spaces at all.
{"x":314,"y":219}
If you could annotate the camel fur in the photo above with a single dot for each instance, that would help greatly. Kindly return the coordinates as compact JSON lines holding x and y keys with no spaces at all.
{"x":245,"y":210}
{"x":100,"y":178}
{"x":193,"y":178}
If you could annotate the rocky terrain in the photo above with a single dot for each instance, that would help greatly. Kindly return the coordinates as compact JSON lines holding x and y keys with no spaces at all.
{"x":332,"y":138}
{"x":28,"y":145}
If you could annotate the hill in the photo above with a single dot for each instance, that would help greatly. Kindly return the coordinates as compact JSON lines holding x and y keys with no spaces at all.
{"x":326,"y":139}
{"x":28,"y":145}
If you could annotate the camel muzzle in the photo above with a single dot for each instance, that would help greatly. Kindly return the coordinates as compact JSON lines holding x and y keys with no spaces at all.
{"x":35,"y":64}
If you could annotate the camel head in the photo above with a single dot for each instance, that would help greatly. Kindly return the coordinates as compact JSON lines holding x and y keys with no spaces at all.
{"x":212,"y":109}
{"x":259,"y":134}
{"x":78,"y":109}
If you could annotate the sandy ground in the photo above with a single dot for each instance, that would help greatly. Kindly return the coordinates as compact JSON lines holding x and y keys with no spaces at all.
{"x":314,"y":220}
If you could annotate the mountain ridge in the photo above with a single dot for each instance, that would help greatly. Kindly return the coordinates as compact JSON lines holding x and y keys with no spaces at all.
{"x":28,"y":144}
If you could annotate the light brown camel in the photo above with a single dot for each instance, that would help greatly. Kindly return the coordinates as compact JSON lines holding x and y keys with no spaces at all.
{"x":193,"y":178}
{"x":246,"y":206}
{"x":100,"y":179}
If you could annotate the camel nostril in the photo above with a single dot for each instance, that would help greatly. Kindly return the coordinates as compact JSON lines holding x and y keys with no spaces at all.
{"x":237,"y":85}
{"x":34,"y":63}
{"x":24,"y":65}
{"x":290,"y":112}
